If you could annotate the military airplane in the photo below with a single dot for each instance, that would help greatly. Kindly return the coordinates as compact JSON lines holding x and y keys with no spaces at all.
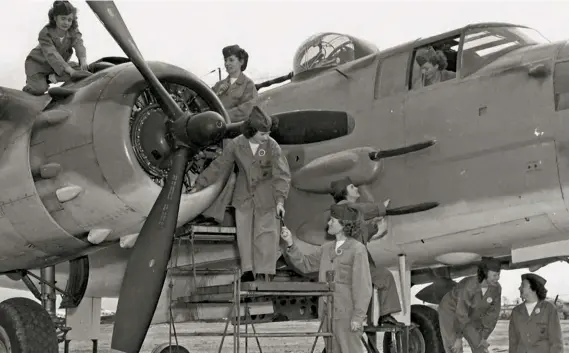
{"x":110,"y":159}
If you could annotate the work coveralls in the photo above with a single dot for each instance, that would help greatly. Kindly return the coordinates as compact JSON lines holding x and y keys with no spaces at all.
{"x":262,"y":181}
{"x":238,"y":98}
{"x":538,"y":333}
{"x":465,"y":312}
{"x":52,"y":55}
{"x":381,"y":277}
{"x":353,"y":288}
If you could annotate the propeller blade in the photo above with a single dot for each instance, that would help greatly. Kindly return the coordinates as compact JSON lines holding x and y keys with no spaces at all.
{"x":401,"y":150}
{"x":146,"y":269}
{"x":420,"y":207}
{"x":109,"y":15}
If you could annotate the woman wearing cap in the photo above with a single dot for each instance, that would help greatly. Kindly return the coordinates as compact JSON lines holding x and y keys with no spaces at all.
{"x":237,"y":92}
{"x":261,"y":188}
{"x":345,"y":192}
{"x":534,"y":324}
{"x":471,"y":309}
{"x":348,"y":259}
{"x":433,"y":64}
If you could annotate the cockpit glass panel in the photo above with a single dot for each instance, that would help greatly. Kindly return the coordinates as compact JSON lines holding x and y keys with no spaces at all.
{"x":484,"y":45}
{"x":328,"y":50}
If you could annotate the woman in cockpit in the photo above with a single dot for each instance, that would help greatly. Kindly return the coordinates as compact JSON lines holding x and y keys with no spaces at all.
{"x":237,"y":92}
{"x":433,"y":66}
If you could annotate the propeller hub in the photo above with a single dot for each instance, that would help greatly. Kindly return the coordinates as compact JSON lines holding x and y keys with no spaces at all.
{"x":200,"y":130}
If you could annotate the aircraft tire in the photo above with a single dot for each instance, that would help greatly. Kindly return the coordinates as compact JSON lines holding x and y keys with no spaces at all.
{"x":426,"y":336}
{"x":26,"y":327}
{"x":167,"y":348}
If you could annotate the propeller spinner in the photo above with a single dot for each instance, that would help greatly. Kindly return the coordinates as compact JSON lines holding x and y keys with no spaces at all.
{"x":147,"y":265}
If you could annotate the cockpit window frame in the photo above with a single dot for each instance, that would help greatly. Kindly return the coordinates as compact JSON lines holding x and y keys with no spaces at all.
{"x":456,"y":34}
{"x":491,"y":30}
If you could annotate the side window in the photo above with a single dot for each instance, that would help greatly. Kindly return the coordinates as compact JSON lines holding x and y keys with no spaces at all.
{"x":392,"y":76}
{"x":435,"y":63}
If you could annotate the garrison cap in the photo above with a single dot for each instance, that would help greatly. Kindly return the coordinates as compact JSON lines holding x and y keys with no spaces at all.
{"x":338,"y":186}
{"x":260,"y":120}
{"x":491,"y":263}
{"x":239,"y":52}
{"x":344,"y":212}
{"x":537,"y":278}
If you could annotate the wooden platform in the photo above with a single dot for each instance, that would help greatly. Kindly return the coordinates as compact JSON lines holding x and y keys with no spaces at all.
{"x":207,"y":234}
{"x":224,"y":293}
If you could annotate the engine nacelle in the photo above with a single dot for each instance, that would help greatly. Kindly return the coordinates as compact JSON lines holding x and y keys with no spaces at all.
{"x":73,"y":170}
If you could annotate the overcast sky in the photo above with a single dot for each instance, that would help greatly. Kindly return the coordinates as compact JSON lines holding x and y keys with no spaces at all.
{"x":191,"y":34}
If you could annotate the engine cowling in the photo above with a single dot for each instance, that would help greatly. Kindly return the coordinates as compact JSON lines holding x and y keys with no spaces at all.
{"x":100,"y":177}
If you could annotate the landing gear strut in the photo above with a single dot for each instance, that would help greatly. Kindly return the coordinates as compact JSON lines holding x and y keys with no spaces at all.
{"x":48,"y":296}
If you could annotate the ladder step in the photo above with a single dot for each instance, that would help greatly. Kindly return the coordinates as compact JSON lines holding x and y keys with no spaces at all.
{"x":386,"y":328}
{"x":224,"y":293}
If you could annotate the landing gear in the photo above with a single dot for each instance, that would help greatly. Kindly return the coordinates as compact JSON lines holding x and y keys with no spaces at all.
{"x":424,"y":334}
{"x":29,"y":327}
{"x":166,"y":348}
{"x":25,"y":327}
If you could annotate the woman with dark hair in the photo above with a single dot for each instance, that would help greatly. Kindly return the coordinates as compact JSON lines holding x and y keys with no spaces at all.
{"x":471,"y":309}
{"x":348,"y":259}
{"x":237,"y":92}
{"x":534,"y":324}
{"x":49,"y":61}
{"x":433,"y":64}
{"x":261,"y":188}
{"x":345,"y":192}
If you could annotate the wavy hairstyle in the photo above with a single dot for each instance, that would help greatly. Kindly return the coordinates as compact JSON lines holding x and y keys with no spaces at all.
{"x":62,"y":8}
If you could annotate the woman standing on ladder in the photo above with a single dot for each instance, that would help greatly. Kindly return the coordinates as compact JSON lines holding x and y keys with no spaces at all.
{"x":261,"y":188}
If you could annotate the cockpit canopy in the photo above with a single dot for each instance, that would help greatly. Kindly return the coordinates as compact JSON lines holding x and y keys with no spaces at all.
{"x":324,"y":50}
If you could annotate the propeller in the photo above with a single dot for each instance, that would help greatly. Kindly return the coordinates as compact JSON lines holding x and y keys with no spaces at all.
{"x":147,"y":265}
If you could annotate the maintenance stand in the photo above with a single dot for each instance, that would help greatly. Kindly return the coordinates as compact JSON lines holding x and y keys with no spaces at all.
{"x":241,"y":299}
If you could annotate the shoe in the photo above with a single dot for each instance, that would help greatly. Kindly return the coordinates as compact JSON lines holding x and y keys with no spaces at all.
{"x":247,"y":276}
{"x":261,"y":277}
{"x":388,"y":320}
{"x":204,"y":221}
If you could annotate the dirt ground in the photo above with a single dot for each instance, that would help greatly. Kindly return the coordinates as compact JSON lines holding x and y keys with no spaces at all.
{"x":158,"y":334}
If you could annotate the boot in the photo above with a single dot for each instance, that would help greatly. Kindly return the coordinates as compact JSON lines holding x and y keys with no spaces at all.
{"x":247,"y":276}
{"x":261,"y":277}
{"x":388,"y":320}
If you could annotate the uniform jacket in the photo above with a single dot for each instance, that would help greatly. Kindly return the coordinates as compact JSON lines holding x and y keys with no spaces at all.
{"x":52,"y":54}
{"x":472,"y":309}
{"x":538,"y":333}
{"x":353,"y":288}
{"x":237,"y":98}
{"x":263,"y":178}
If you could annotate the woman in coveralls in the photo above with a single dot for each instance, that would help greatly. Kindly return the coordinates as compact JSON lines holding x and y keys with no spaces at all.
{"x":534,"y":324}
{"x":471,"y":309}
{"x":261,"y":188}
{"x":237,"y":92}
{"x":49,"y":62}
{"x":348,"y":259}
{"x":345,"y":192}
